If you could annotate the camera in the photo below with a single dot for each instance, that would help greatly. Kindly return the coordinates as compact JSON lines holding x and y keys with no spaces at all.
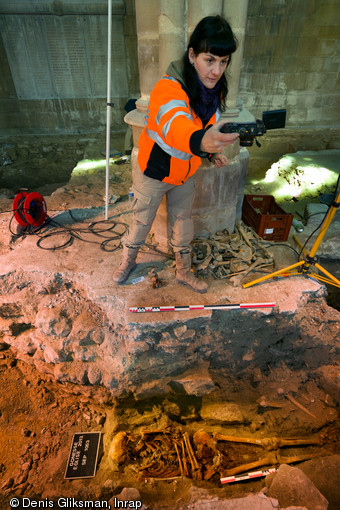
{"x":248,"y":131}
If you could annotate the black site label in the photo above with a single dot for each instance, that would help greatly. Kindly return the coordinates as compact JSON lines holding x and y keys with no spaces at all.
{"x":83,"y":456}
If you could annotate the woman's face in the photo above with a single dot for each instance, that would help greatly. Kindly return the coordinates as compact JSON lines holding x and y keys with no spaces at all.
{"x":209,"y":67}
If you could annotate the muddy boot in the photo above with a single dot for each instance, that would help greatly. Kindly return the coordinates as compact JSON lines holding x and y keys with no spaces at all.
{"x":127,"y":265}
{"x":185,"y":276}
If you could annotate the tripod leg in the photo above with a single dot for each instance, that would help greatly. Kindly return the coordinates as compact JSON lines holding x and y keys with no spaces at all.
{"x":330,"y":276}
{"x":324,"y":227}
{"x":272,"y":275}
{"x":310,"y":257}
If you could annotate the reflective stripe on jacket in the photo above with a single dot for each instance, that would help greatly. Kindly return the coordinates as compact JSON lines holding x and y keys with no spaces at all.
{"x":169,"y":145}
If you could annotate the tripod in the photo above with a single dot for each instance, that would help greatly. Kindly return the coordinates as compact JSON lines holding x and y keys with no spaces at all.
{"x":309,"y":258}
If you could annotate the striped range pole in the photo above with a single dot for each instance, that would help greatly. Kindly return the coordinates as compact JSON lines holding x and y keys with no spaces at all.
{"x":145,"y":309}
{"x":248,"y":476}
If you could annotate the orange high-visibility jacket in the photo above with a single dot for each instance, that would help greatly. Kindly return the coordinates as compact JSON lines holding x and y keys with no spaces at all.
{"x":169,"y":145}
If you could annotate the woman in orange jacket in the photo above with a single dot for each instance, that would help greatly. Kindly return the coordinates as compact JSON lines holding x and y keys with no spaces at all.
{"x":181,"y":128}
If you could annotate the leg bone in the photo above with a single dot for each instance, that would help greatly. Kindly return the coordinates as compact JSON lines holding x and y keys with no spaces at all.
{"x":271,"y":458}
{"x":269,"y":443}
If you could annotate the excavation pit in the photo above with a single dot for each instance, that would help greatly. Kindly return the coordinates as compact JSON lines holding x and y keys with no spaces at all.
{"x":75,"y":358}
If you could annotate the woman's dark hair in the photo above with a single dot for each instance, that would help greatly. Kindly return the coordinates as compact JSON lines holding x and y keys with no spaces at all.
{"x":214,"y":35}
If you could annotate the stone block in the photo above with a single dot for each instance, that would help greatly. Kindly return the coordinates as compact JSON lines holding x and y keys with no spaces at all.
{"x":326,"y":13}
{"x":292,"y":487}
{"x":171,"y":48}
{"x":157,"y":388}
{"x":53,"y":355}
{"x":196,"y":382}
{"x":216,"y":195}
{"x":53,"y":322}
{"x":256,"y":25}
{"x":322,"y":473}
{"x":226,"y":414}
{"x":251,"y":502}
{"x":330,"y":379}
{"x":147,"y":21}
{"x":148,"y":61}
{"x":179,"y":332}
{"x":328,"y":32}
{"x":309,"y":47}
{"x":296,"y":81}
{"x":254,"y":8}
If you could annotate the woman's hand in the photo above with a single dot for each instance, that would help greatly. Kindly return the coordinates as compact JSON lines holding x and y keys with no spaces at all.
{"x":220,"y":160}
{"x":215,"y":141}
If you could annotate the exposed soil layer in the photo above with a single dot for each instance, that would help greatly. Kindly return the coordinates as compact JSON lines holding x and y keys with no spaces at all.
{"x":38,"y":415}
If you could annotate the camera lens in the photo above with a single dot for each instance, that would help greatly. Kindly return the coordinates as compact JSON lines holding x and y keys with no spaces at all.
{"x":246,"y":143}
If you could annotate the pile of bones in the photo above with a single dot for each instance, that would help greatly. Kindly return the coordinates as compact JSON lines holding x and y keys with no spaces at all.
{"x":224,"y":255}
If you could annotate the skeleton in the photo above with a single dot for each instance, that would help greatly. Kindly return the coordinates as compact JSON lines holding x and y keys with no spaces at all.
{"x":117,"y":452}
{"x":169,"y":453}
{"x":233,"y":256}
{"x":203,"y":439}
{"x":164,"y":453}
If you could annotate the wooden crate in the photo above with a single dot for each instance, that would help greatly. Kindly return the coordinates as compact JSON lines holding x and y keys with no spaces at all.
{"x":266,"y":217}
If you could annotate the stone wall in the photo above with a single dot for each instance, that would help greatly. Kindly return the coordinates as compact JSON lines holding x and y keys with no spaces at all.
{"x":65,"y":329}
{"x":53,"y":65}
{"x":290,"y":60}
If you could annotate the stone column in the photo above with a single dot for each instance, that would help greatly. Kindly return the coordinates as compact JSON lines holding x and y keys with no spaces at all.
{"x":171,"y":26}
{"x":198,"y":9}
{"x":172,"y":43}
{"x":148,"y":45}
{"x":235,"y":11}
{"x":148,"y":62}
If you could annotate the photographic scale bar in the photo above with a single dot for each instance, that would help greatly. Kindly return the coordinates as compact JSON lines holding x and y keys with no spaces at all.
{"x":248,"y":476}
{"x":145,"y":309}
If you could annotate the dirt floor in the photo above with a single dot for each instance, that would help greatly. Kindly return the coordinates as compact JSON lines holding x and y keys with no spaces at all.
{"x":39,"y":416}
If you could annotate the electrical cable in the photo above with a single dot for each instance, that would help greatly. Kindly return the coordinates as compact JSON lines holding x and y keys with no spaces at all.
{"x":71,"y":233}
{"x":283,"y":244}
{"x":28,"y":229}
{"x":111,"y":232}
{"x":81,"y":233}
